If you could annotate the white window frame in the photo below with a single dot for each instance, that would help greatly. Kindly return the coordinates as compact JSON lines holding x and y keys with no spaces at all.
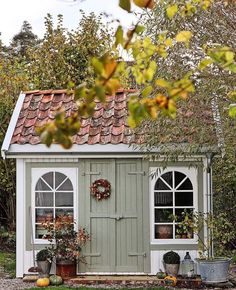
{"x":192,"y":174}
{"x":36,"y":173}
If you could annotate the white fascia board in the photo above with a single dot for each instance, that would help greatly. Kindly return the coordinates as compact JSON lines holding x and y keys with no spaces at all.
{"x":75,"y":149}
{"x":85,"y":150}
{"x":12,"y":125}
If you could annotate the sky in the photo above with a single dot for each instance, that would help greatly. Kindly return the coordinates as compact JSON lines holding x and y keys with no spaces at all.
{"x":14,"y":12}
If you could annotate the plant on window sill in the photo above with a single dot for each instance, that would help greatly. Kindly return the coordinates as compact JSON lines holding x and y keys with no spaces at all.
{"x":220,"y":232}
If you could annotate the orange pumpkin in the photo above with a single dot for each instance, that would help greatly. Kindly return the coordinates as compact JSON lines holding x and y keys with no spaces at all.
{"x":170,"y":280}
{"x":42,"y":282}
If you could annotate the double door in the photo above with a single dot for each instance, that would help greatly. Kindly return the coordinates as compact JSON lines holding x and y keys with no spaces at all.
{"x":118,"y":225}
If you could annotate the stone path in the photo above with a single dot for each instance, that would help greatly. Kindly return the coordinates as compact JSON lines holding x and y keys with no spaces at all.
{"x":19,"y":284}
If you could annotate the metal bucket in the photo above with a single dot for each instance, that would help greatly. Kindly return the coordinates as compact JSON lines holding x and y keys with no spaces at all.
{"x":44,"y":268}
{"x":214,"y":271}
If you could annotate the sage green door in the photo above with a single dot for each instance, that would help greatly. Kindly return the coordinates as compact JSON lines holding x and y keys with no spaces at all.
{"x":116,"y":224}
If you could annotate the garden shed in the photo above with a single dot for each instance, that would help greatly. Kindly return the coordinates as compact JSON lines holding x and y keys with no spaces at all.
{"x":133,"y":227}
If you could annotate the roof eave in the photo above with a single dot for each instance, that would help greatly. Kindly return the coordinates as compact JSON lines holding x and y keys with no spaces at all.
{"x":56,"y":149}
{"x":11,"y":127}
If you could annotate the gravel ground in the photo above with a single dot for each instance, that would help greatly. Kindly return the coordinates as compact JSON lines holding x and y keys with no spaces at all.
{"x":14,"y":284}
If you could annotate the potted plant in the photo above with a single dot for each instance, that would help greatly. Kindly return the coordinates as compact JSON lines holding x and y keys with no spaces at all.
{"x":171,"y":261}
{"x":212,"y":269}
{"x":66,"y":244}
{"x":44,"y":262}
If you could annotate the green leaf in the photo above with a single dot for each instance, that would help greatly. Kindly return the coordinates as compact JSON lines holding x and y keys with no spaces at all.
{"x":232,"y":111}
{"x":232,"y":67}
{"x":119,"y":36}
{"x":139,"y":29}
{"x":171,"y":11}
{"x":147,"y":91}
{"x":183,"y":36}
{"x":98,"y":66}
{"x":204,"y":63}
{"x":162,"y":83}
{"x":100,"y":93}
{"x":125,"y":4}
{"x":232,"y":95}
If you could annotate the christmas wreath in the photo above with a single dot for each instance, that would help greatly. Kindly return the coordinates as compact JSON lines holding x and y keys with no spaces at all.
{"x":101,"y":189}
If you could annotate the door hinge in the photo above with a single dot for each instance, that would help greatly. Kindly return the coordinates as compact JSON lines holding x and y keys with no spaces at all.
{"x":92,"y":254}
{"x":137,"y":173}
{"x":137,"y":254}
{"x":91,"y":173}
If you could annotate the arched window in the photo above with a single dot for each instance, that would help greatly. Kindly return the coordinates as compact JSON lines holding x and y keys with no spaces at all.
{"x":54,"y":196}
{"x":173,"y":196}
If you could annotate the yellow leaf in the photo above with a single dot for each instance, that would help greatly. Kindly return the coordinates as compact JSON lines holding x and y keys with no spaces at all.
{"x":110,"y":68}
{"x":112,"y":86}
{"x":183,"y":36}
{"x":168,"y":42}
{"x":162,"y":83}
{"x":229,"y":56}
{"x":171,"y":11}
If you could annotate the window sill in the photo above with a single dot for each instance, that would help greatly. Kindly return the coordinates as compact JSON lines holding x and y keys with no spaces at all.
{"x":174,"y":242}
{"x":41,"y":242}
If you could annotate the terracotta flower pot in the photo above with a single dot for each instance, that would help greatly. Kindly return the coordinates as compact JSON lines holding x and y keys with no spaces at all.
{"x":66,"y":268}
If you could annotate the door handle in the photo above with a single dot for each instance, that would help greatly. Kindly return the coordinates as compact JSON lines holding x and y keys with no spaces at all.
{"x":119,"y":217}
{"x":137,"y":254}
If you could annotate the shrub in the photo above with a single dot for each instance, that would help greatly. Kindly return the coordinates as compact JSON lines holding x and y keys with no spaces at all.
{"x":44,"y":255}
{"x":171,"y":258}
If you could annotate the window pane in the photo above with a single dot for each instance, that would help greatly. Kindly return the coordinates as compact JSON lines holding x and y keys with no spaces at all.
{"x":59,"y":178}
{"x":163,"y":232}
{"x":39,"y":231}
{"x":163,"y":215}
{"x":163,"y":198}
{"x":41,"y":185}
{"x":181,"y":233}
{"x":64,"y":199}
{"x":43,"y":214}
{"x":168,"y":177}
{"x":67,"y":185}
{"x":68,"y":211}
{"x":178,"y":178}
{"x":48,"y":177}
{"x":186,"y":185}
{"x":181,"y":212}
{"x":43,"y":199}
{"x":184,"y":198}
{"x":160,"y":185}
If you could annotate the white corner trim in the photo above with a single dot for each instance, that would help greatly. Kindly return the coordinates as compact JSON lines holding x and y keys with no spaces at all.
{"x":12,"y":125}
{"x":20,"y":217}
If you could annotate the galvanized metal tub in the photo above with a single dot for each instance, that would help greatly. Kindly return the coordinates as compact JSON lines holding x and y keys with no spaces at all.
{"x":214,"y":271}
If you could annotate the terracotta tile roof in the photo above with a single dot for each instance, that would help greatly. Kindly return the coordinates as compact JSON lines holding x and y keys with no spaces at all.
{"x":108,"y":124}
{"x":194,"y":123}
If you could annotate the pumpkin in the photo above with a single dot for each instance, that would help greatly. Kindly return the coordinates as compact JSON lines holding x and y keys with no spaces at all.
{"x":161,"y":275}
{"x":42,"y":282}
{"x":170,"y":280}
{"x":56,"y":280}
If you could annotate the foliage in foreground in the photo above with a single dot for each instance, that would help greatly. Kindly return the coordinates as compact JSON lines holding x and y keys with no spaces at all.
{"x":8,"y":263}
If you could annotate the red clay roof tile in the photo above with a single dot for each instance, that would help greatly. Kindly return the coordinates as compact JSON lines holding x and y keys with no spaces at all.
{"x":93,"y":139}
{"x":47,"y":98}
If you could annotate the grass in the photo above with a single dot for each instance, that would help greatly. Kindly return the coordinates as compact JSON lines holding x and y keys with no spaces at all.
{"x":89,"y":288}
{"x":8,"y":263}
